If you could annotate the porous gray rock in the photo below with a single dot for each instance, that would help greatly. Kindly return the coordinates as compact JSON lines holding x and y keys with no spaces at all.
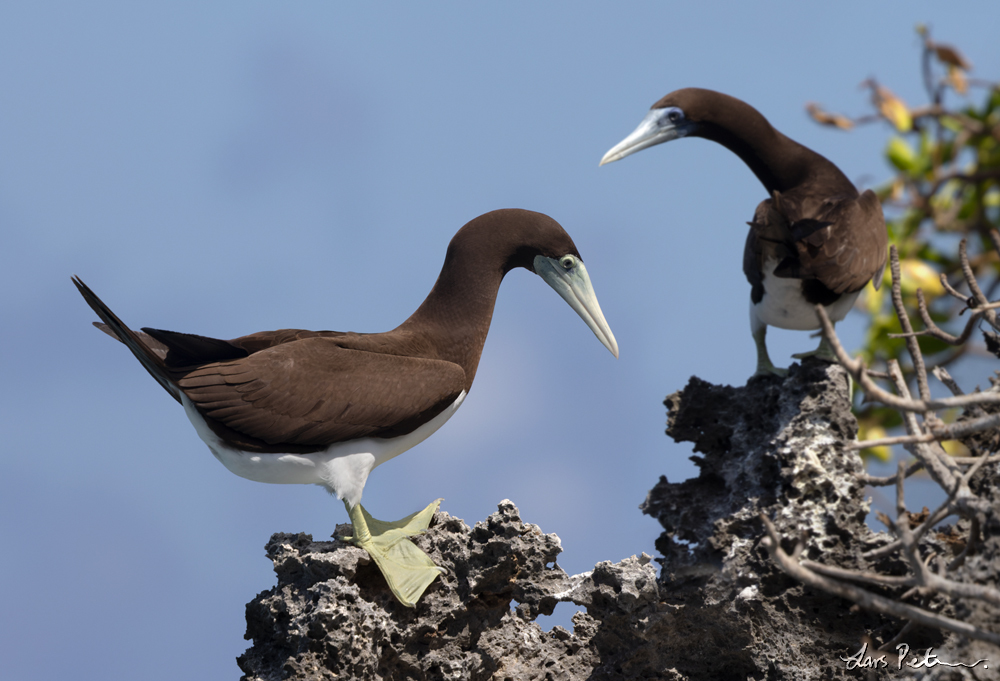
{"x":775,"y":446}
{"x":332,"y":616}
{"x":719,"y":608}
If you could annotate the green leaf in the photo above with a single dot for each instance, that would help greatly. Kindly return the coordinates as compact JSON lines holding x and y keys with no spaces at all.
{"x":950,"y":123}
{"x":901,"y":155}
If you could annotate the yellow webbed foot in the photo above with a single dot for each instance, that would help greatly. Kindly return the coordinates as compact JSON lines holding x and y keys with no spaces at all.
{"x":407,"y":570}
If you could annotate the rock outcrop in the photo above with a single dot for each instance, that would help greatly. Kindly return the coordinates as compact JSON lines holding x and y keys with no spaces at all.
{"x":717,"y":609}
{"x":332,"y":617}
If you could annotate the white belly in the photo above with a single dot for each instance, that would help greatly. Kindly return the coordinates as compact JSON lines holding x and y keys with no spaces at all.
{"x":342,"y":468}
{"x":783,"y":305}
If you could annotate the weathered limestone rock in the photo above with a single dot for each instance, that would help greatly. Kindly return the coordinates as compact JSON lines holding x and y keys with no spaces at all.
{"x":719,"y":609}
{"x":332,"y":616}
{"x":777,"y":447}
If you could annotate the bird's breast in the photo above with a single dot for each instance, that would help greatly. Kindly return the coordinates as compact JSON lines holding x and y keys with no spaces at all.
{"x":784,"y":305}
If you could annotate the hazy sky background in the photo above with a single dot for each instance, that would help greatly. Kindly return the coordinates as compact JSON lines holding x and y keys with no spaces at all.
{"x":223,"y":168}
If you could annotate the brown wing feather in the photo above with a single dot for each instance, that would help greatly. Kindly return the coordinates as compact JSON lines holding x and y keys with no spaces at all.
{"x":255,"y":342}
{"x":350,"y":393}
{"x":851,"y":250}
{"x":840,"y":241}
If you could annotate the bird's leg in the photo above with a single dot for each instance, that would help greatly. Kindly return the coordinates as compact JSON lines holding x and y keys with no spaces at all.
{"x":764,"y":365}
{"x":824,"y":352}
{"x":407,"y":569}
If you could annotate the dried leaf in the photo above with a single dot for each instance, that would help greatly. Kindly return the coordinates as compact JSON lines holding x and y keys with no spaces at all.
{"x":918,"y":519}
{"x":956,"y":79}
{"x":947,"y":54}
{"x":826,"y":118}
{"x":898,"y":188}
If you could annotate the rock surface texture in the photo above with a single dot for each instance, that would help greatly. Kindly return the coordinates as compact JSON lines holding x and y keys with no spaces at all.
{"x":718,"y":609}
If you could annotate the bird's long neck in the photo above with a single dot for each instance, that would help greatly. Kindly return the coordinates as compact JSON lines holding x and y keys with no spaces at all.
{"x":780,"y":163}
{"x":452,"y":322}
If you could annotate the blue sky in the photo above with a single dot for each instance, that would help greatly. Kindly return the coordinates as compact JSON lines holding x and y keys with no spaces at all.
{"x":305,"y":165}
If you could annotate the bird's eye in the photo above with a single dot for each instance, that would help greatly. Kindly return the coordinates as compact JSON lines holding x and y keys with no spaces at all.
{"x":675,"y":115}
{"x":567,"y":262}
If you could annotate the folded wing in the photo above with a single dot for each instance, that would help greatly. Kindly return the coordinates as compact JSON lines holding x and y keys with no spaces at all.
{"x":313,"y":392}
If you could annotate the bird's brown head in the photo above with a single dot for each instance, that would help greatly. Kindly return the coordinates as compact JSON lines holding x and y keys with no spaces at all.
{"x":501,"y":240}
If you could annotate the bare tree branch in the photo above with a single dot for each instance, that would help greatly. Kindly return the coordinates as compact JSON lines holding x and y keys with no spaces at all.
{"x":865,"y":598}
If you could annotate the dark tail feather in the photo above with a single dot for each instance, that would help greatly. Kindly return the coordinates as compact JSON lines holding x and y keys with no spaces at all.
{"x":148,"y":356}
{"x":156,"y":346}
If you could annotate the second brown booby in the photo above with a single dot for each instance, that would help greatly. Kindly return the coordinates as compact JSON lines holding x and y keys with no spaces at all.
{"x":815,"y":240}
{"x":326,"y":407}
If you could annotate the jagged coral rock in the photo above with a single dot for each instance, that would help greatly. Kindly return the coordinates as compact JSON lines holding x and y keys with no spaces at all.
{"x":331,"y":615}
{"x":718,"y":610}
{"x":775,"y":446}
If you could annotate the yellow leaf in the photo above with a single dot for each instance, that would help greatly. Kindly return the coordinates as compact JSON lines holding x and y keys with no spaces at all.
{"x":918,"y":274}
{"x":956,"y":78}
{"x":896,"y":112}
{"x":955,"y":448}
{"x":891,"y":107}
{"x":882,"y":453}
{"x":871,"y":300}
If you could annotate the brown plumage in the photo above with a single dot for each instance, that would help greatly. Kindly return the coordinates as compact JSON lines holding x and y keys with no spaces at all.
{"x":302,"y":391}
{"x":815,"y":227}
{"x":326,"y":408}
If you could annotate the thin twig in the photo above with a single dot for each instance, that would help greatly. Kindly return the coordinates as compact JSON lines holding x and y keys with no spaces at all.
{"x":932,"y":329}
{"x":934,"y":458}
{"x":905,"y":534}
{"x":891,"y":479}
{"x":940,"y":513}
{"x":889,"y":441}
{"x":911,"y":343}
{"x":941,"y":374}
{"x":865,"y":598}
{"x":970,"y":546}
{"x":891,"y":645}
{"x":970,"y":276}
{"x":949,"y":507}
{"x":858,"y":576}
{"x":954,"y":293}
{"x":992,"y":458}
{"x":954,"y":431}
{"x":859,"y":372}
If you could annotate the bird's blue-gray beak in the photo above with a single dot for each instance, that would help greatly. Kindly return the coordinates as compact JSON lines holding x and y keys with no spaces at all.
{"x":655,"y":128}
{"x":568,"y":276}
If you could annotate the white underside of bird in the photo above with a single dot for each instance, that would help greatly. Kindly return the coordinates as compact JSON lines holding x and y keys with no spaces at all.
{"x":342,"y":468}
{"x":784,"y":306}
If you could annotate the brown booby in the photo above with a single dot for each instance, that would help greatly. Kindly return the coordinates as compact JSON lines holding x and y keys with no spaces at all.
{"x":816,"y":240}
{"x":326,"y":407}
